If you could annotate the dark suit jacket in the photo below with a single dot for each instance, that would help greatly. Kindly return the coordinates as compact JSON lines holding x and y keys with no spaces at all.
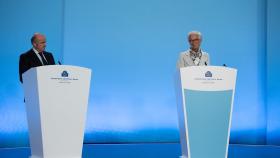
{"x":29,"y":60}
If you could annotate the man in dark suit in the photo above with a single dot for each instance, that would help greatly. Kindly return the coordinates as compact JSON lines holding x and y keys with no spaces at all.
{"x":37,"y":56}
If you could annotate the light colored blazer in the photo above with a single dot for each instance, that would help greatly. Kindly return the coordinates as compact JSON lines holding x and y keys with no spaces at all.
{"x":186,"y":60}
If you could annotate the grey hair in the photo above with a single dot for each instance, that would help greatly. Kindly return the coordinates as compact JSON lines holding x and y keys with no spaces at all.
{"x":194,"y":33}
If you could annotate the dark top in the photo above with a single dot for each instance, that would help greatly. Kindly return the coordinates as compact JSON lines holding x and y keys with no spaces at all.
{"x":29,"y":60}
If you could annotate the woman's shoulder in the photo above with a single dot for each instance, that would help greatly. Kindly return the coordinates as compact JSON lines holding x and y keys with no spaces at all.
{"x":204,"y":53}
{"x":183,"y":53}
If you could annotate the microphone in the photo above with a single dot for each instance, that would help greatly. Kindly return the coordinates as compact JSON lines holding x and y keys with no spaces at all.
{"x":59,"y":63}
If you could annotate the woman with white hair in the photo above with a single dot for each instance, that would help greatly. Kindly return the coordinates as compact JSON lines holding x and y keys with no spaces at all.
{"x":193,"y":56}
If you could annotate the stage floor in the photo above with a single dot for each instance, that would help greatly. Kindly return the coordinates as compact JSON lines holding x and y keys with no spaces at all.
{"x":163,"y":150}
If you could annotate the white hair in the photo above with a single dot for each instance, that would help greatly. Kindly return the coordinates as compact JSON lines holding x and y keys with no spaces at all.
{"x":195,"y":33}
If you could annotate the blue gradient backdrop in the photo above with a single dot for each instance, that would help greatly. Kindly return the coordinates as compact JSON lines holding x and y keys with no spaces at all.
{"x":132,"y":48}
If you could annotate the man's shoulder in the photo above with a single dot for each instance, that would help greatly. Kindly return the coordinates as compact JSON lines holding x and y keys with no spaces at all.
{"x":27,"y":53}
{"x":48,"y":53}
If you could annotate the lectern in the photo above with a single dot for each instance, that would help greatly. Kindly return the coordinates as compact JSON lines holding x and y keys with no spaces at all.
{"x":56,"y":100}
{"x":205,"y":98}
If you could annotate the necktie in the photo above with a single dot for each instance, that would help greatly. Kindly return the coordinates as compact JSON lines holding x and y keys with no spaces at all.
{"x":43,"y":59}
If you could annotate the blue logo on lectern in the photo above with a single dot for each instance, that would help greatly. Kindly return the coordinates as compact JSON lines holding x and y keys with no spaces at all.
{"x":64,"y":74}
{"x":208,"y":74}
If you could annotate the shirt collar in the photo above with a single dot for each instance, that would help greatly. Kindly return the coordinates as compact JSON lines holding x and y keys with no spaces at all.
{"x":194,"y":54}
{"x":35,"y":51}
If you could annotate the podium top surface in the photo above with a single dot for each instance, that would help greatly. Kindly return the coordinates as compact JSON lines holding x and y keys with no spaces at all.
{"x":55,"y":71}
{"x":208,"y":78}
{"x":209,"y":67}
{"x":58,"y":66}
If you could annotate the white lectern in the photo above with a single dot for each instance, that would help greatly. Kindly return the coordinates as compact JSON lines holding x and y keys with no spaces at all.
{"x":205,"y":98}
{"x":56,"y":99}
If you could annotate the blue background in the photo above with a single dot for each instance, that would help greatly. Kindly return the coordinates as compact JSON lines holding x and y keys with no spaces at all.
{"x":132,"y":47}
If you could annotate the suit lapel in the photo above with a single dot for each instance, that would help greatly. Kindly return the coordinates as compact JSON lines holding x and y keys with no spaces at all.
{"x":47,"y":58}
{"x":203,"y":59}
{"x":189,"y":59}
{"x":34,"y":58}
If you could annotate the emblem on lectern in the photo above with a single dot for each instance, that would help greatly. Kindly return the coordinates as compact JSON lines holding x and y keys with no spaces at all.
{"x":208,"y":74}
{"x":64,"y":74}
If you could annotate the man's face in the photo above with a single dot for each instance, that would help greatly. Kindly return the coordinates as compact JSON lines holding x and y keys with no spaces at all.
{"x":40,"y":43}
{"x":194,"y":41}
